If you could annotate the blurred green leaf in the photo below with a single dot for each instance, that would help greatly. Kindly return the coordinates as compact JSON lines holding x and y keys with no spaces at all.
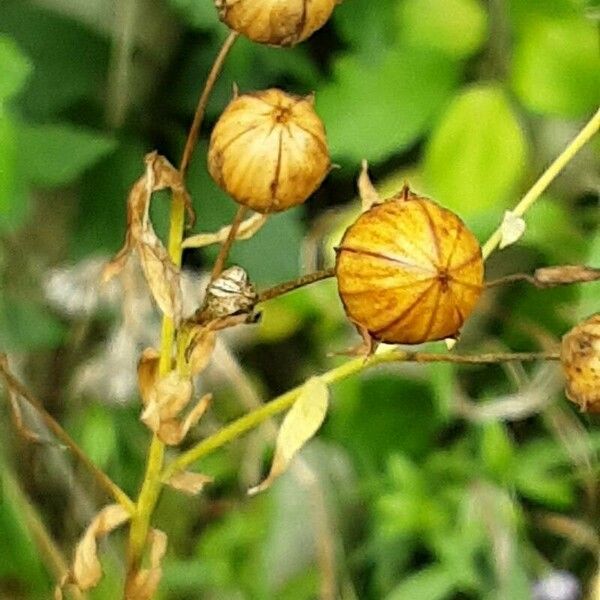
{"x":432,"y":583}
{"x":27,"y":326}
{"x":96,"y":434}
{"x":497,"y":451}
{"x":20,"y":558}
{"x":373,"y":110}
{"x":556,"y":67}
{"x":369,"y":26}
{"x":54,"y":155}
{"x":8,"y":161}
{"x":70,"y":60}
{"x":200,"y":15}
{"x":100,"y":224}
{"x":399,"y":417}
{"x":476,"y":156}
{"x":456,"y":27}
{"x":526,"y":13}
{"x":15,"y":68}
{"x":542,"y":474}
{"x":550,"y":229}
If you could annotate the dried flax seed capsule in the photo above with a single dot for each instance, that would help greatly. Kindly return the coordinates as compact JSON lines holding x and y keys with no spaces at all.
{"x":580,"y":358}
{"x":275,"y":22}
{"x":409,"y":271}
{"x":268,"y":150}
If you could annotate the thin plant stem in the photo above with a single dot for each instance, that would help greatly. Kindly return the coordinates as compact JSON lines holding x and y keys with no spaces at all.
{"x":102,"y":478}
{"x":294,"y":284}
{"x":538,"y":188}
{"x":591,"y":275}
{"x":151,"y":485}
{"x":253,"y":419}
{"x":228,"y":243}
{"x":194,"y":132}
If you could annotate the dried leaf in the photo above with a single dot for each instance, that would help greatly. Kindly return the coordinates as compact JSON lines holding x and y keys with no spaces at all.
{"x":161,"y":273}
{"x":246,"y":230}
{"x":450,"y":342}
{"x":189,"y":483}
{"x":147,"y":372}
{"x":145,"y":583}
{"x":87,"y":570}
{"x":512,"y":229}
{"x":566,"y":274}
{"x":300,"y":424}
{"x":199,"y":349}
{"x":171,"y":394}
{"x":172,"y":431}
{"x":366,"y":190}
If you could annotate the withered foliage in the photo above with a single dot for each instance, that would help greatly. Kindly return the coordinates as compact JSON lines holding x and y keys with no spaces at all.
{"x":162,"y":275}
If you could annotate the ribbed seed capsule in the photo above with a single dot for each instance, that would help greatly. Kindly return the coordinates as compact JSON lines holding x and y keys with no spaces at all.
{"x":275,"y":22}
{"x":409,"y":271}
{"x":268,"y":150}
{"x":580,"y":357}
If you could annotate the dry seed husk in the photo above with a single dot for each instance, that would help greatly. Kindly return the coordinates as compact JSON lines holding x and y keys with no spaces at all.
{"x":409,"y":271}
{"x":580,"y":358}
{"x":275,"y":22}
{"x":268,"y":150}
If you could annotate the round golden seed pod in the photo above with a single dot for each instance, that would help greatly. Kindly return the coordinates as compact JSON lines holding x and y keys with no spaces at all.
{"x":580,"y":358}
{"x":268,"y":150}
{"x":275,"y":22}
{"x":409,"y":271}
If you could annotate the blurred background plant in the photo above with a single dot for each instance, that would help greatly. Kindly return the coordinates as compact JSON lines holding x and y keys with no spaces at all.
{"x":427,"y":482}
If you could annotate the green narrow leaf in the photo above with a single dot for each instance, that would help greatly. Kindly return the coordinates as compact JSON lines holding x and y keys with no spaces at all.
{"x":372,"y":112}
{"x":556,"y":67}
{"x":15,"y":68}
{"x":53,"y":155}
{"x":477,"y":154}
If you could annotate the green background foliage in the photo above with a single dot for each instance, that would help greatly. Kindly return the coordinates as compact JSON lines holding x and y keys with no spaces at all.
{"x":414,"y":497}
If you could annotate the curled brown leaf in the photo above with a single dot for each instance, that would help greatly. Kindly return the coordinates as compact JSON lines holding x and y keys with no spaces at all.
{"x":86,"y":570}
{"x":144,"y":584}
{"x":161,"y":273}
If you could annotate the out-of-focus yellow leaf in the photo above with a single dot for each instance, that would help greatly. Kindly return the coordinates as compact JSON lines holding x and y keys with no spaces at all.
{"x":300,"y":425}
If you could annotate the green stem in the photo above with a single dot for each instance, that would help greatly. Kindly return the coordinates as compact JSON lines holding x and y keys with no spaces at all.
{"x":253,"y":419}
{"x":538,"y":188}
{"x":152,"y":484}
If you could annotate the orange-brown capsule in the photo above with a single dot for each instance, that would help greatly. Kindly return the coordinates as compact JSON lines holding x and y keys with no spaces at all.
{"x":268,"y":150}
{"x":275,"y":22}
{"x":580,"y":358}
{"x":409,"y":271}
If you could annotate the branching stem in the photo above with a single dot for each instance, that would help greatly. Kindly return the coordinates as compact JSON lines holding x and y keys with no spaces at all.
{"x":253,"y":419}
{"x":539,"y":187}
{"x":152,"y":484}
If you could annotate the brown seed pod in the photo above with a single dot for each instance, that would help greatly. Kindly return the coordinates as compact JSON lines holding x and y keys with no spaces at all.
{"x":580,"y":358}
{"x":268,"y":150}
{"x":409,"y":271}
{"x":275,"y":22}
